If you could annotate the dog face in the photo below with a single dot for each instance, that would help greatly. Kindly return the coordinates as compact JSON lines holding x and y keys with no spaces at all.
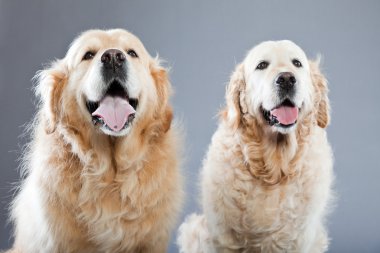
{"x":110,"y":82}
{"x":279,"y":86}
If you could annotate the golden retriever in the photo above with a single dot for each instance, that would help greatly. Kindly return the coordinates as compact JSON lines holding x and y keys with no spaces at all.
{"x":102,"y":166}
{"x":267,"y":176}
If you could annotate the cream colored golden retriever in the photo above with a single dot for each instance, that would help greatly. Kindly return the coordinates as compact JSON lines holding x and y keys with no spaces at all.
{"x":266,"y":179}
{"x":102,"y":167}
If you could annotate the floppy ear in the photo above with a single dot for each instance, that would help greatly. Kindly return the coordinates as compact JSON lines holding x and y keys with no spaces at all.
{"x":235,"y":97}
{"x":50,"y":83}
{"x":164,"y":90}
{"x":322,"y":104}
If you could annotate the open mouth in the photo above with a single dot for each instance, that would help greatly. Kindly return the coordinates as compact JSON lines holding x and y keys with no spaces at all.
{"x":284,"y":115}
{"x":116,"y":110}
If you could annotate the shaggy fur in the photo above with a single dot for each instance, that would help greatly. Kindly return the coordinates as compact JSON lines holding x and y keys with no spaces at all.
{"x":266,"y":189}
{"x":85,"y":190}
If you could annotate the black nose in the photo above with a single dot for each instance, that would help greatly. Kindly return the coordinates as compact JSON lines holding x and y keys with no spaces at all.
{"x":286,"y":81}
{"x":113,"y":58}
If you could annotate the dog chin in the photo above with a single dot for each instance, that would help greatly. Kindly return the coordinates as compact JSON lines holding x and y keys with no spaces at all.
{"x":120,"y":133}
{"x":283,"y":130}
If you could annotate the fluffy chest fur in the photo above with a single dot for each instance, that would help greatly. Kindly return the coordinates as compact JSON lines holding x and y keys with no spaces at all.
{"x":100,"y":201}
{"x":258,"y":215}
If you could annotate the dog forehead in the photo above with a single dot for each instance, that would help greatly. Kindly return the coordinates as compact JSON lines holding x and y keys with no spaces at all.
{"x":275,"y":51}
{"x":101,"y":40}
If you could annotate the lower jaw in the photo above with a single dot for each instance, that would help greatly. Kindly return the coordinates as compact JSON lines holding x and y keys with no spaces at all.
{"x":107,"y":131}
{"x":285,"y":126}
{"x":273,"y":122}
{"x":284,"y":130}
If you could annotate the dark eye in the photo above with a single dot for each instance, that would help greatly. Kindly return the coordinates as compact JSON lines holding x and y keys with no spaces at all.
{"x":297,"y":63}
{"x":132,"y":53}
{"x":88,"y":55}
{"x":262,"y":65}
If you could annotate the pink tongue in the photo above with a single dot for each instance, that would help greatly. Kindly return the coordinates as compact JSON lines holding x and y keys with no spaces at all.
{"x":286,"y":115}
{"x":114,"y":111}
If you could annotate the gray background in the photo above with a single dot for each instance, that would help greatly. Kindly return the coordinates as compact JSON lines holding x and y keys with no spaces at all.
{"x":202,"y":41}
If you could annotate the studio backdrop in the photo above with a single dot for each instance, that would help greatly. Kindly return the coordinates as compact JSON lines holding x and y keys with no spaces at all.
{"x":201,"y":42}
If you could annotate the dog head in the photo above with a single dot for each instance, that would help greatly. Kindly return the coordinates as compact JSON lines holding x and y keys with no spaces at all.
{"x":279,"y":87}
{"x":107,"y":82}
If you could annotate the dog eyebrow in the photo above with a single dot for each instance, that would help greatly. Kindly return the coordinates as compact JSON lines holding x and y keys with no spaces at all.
{"x":90,"y":48}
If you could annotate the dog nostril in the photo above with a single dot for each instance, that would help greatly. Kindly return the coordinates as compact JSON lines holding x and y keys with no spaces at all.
{"x":286,"y":80}
{"x":292,"y":80}
{"x":113,"y":57}
{"x":280,"y":80}
{"x":106,"y":58}
{"x":120,"y":57}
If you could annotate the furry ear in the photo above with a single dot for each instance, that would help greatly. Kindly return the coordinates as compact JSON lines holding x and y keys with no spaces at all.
{"x":235,"y":98}
{"x":322,"y":104}
{"x":164,"y":90}
{"x":50,"y":83}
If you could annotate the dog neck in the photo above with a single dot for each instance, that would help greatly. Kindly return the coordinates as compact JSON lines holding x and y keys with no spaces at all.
{"x":272,"y":157}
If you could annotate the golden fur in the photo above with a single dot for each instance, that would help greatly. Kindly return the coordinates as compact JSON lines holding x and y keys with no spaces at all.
{"x":262,"y":190}
{"x":86,"y":191}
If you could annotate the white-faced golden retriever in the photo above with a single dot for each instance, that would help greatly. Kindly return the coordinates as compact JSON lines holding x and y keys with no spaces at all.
{"x":266,"y":179}
{"x":102,"y":167}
